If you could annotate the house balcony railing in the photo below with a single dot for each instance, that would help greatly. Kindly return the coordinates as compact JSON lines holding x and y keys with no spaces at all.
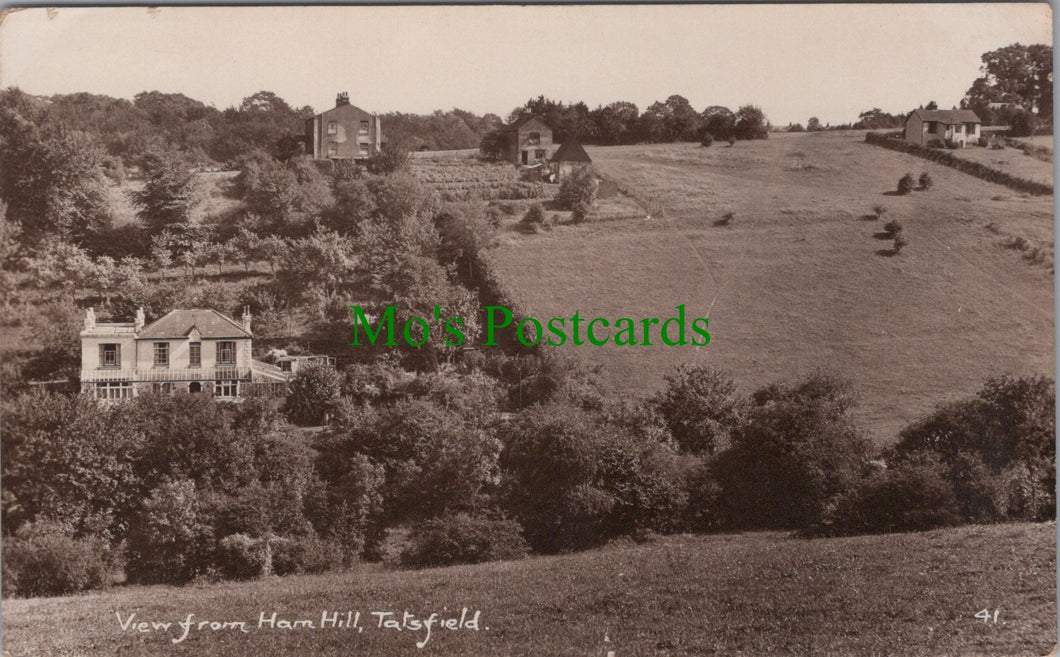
{"x":162,"y":374}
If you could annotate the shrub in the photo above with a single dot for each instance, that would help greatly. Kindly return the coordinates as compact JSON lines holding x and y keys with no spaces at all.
{"x":1023,"y":124}
{"x":239,"y":556}
{"x":534,"y":215}
{"x":169,"y":540}
{"x":699,"y":407}
{"x":912,"y":495}
{"x":305,"y":554}
{"x":899,"y":243}
{"x":461,"y":538}
{"x":578,"y":193}
{"x":45,"y":560}
{"x":906,"y":183}
{"x":708,"y":140}
{"x":925,"y":181}
{"x":984,"y":141}
{"x":893,"y":227}
{"x":313,"y":394}
{"x":879,"y":211}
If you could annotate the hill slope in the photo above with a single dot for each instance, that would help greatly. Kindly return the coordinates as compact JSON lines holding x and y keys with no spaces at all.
{"x":752,"y":594}
{"x":801,"y":279}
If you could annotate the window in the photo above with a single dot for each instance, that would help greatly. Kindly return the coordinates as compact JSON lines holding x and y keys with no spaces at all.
{"x":110,"y":355}
{"x":958,"y":128}
{"x":930,"y":126}
{"x":364,"y":128}
{"x":333,"y":128}
{"x":364,"y":150}
{"x":285,"y":366}
{"x":163,"y":388}
{"x":539,"y":154}
{"x":161,"y":354}
{"x":533,"y":138}
{"x":195,"y":354}
{"x":333,"y":149}
{"x":225,"y":388}
{"x":114,"y":390}
{"x":226,"y":353}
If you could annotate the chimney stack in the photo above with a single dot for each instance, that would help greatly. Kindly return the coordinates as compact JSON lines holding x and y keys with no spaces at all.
{"x":138,"y":323}
{"x":90,"y":319}
{"x":342,"y":99}
{"x":246,"y":319}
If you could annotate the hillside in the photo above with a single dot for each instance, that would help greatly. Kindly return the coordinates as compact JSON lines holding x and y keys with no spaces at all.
{"x":750,"y":594}
{"x":800,"y":280}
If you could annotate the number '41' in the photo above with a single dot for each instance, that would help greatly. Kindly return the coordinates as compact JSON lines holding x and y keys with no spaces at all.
{"x":987,"y":617}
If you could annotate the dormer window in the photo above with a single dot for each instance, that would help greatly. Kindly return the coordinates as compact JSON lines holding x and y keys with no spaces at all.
{"x":534,"y":138}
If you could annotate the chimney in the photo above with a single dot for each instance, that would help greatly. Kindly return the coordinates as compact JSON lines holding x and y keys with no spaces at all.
{"x":246,"y":318}
{"x":342,"y":99}
{"x":138,"y":323}
{"x":90,"y":319}
{"x":932,"y":105}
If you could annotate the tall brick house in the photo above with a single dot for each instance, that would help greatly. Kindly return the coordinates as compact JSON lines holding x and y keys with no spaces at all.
{"x":528,"y":141}
{"x":345,"y":132}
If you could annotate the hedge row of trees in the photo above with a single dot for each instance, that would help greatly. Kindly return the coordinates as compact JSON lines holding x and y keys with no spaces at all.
{"x":171,"y":489}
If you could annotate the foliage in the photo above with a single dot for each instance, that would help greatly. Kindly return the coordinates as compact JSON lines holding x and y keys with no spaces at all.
{"x":750,"y":123}
{"x":814,"y":124}
{"x":391,"y":159}
{"x":312,"y":394}
{"x":46,"y":560}
{"x":578,"y":193}
{"x":168,"y":194}
{"x":707,"y":140}
{"x":906,"y":183}
{"x":893,"y":227}
{"x":796,"y":453}
{"x":700,"y":408}
{"x":720,"y":122}
{"x":1023,"y":124}
{"x":925,"y":181}
{"x":1017,"y":74}
{"x":461,"y":538}
{"x":169,"y":540}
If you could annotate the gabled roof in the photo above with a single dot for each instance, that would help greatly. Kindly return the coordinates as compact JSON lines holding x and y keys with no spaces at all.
{"x":947,"y":116}
{"x":178,"y":324}
{"x":571,"y":151}
{"x":524,"y":121}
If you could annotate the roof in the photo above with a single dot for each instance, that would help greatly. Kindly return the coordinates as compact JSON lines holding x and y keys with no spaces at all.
{"x":947,"y":116}
{"x":523,"y":121}
{"x":571,"y":151}
{"x":179,"y":323}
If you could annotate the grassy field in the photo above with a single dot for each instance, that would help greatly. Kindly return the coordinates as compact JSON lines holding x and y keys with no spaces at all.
{"x":1010,"y":160}
{"x":748,"y":594}
{"x":800,"y":280}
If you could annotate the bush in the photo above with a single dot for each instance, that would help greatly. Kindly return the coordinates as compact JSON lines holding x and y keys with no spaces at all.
{"x":984,"y":141}
{"x":534,"y":215}
{"x":925,"y":181}
{"x":893,"y":227}
{"x":906,"y":183}
{"x":169,"y":540}
{"x":578,"y":193}
{"x":1023,"y":124}
{"x":239,"y":556}
{"x":912,"y":495}
{"x":45,"y":560}
{"x":899,"y":243}
{"x":313,"y":394}
{"x":879,"y":211}
{"x":708,"y":140}
{"x":462,"y":538}
{"x":306,"y":554}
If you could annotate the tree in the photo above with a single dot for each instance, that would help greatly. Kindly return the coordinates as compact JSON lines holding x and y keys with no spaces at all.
{"x":1016,"y":74}
{"x":312,"y":394}
{"x":813,"y":125}
{"x":796,"y":453}
{"x":700,"y":408}
{"x":578,"y":193}
{"x":168,"y":194}
{"x":492,"y":145}
{"x":720,"y":122}
{"x":750,"y":123}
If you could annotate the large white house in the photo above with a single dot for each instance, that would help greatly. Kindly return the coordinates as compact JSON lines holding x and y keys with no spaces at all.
{"x":196,"y":351}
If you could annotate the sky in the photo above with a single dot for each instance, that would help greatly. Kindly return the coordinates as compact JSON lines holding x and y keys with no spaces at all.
{"x":794,"y":61}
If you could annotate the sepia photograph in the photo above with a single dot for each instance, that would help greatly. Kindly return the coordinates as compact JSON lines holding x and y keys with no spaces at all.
{"x":601,"y":330}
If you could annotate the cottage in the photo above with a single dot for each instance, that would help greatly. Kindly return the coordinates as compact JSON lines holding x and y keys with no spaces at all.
{"x":569,"y":157}
{"x":345,"y":132}
{"x":954,"y":128}
{"x":528,"y":141}
{"x":195,"y":350}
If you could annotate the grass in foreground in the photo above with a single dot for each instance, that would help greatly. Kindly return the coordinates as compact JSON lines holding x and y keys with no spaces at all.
{"x":750,"y":594}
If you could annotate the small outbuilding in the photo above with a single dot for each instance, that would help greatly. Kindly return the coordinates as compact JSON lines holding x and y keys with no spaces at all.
{"x":569,"y":157}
